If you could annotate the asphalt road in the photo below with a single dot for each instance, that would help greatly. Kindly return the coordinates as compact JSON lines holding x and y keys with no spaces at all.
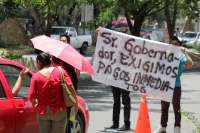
{"x":99,"y":99}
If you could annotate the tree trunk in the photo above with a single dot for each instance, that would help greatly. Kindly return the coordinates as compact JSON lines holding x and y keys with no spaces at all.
{"x":96,"y":13}
{"x":49,"y":23}
{"x":171,"y":23}
{"x":188,"y":25}
{"x":35,"y":27}
{"x":135,"y":29}
{"x":70,"y":13}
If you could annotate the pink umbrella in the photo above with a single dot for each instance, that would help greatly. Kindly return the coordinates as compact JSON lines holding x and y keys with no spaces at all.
{"x":62,"y":51}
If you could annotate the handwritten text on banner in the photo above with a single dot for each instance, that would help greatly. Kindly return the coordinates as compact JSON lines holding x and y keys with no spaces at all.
{"x":135,"y":64}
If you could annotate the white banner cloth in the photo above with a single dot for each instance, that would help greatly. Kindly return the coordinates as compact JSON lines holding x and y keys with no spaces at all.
{"x":136,"y":64}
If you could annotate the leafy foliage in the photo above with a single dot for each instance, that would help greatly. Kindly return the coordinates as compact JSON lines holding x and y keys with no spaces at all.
{"x":193,"y":119}
{"x":10,"y":9}
{"x":11,"y":56}
{"x":196,"y":47}
{"x":190,"y":8}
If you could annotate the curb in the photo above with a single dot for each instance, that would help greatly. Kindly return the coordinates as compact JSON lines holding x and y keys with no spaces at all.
{"x":85,"y":76}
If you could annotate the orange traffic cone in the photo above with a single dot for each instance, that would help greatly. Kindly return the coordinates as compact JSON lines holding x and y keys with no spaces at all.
{"x":143,"y":123}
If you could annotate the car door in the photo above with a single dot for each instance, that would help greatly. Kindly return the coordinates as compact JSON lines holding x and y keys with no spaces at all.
{"x":7,"y":111}
{"x":74,"y":38}
{"x":25,"y":113}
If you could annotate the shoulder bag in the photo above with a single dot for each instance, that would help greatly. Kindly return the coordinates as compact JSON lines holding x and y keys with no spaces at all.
{"x":69,"y":93}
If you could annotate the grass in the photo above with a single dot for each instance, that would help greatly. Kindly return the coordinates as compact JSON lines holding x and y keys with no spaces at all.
{"x":196,"y":47}
{"x":193,"y":119}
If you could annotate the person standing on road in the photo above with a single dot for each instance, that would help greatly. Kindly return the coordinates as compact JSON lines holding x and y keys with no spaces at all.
{"x":117,"y":93}
{"x":178,"y":34}
{"x":126,"y":101}
{"x":73,"y":73}
{"x":46,"y":95}
{"x":66,"y":39}
{"x":184,"y":60}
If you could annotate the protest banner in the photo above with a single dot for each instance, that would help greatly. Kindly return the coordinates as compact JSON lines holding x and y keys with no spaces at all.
{"x":136,"y":64}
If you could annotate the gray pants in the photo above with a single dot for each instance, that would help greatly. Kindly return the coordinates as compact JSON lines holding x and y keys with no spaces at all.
{"x":52,"y":122}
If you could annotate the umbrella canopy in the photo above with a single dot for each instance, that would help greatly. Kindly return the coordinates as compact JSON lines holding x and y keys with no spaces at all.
{"x":62,"y":51}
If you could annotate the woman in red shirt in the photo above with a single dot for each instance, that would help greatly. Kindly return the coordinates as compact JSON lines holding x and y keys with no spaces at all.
{"x":46,"y":95}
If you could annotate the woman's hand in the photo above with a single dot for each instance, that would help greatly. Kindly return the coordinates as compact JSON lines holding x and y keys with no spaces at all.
{"x":183,"y":49}
{"x":97,"y":30}
{"x":24,"y":72}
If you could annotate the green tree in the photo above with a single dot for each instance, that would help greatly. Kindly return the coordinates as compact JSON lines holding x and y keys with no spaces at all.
{"x":9,"y":9}
{"x":137,"y":10}
{"x":171,"y":16}
{"x":191,"y":9}
{"x":41,"y":11}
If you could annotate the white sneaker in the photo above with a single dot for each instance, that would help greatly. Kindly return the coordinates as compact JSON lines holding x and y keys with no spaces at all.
{"x":160,"y":130}
{"x":177,"y":130}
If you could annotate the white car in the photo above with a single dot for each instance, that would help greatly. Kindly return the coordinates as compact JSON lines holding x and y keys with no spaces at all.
{"x":189,"y":38}
{"x":81,"y":42}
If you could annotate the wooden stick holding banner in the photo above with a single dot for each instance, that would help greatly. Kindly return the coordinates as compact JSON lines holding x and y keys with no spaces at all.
{"x":136,"y":64}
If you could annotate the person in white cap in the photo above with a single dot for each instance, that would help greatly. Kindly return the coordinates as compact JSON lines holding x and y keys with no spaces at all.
{"x":184,"y":60}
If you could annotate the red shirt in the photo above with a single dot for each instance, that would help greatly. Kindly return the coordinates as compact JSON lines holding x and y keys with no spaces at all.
{"x":48,"y":92}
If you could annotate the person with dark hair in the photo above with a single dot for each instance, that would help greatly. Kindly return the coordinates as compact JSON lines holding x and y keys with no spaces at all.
{"x":65,"y":38}
{"x":126,"y":101}
{"x":46,"y":95}
{"x":68,"y":68}
{"x":178,"y":34}
{"x":184,"y":60}
{"x":73,"y":73}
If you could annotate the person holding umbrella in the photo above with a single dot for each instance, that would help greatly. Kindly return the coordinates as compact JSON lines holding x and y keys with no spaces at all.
{"x":66,"y":39}
{"x":46,"y":95}
{"x":73,"y":73}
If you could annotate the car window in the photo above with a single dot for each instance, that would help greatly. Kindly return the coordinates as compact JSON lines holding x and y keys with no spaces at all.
{"x":59,"y":31}
{"x":2,"y":93}
{"x":11,"y":73}
{"x":72,"y":32}
{"x":189,"y":35}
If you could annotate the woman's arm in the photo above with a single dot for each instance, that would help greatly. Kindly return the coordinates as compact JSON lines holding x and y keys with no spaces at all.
{"x":18,"y":84}
{"x":189,"y":62}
